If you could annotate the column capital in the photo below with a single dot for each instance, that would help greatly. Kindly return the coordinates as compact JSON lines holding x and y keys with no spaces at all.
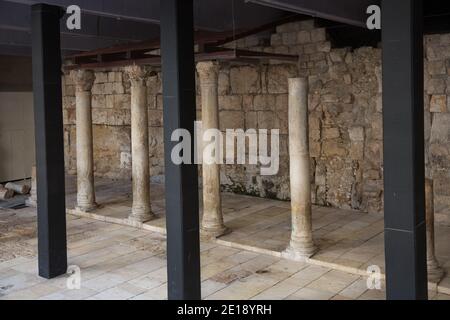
{"x":208,"y":71}
{"x":137,"y":74}
{"x":83,"y":79}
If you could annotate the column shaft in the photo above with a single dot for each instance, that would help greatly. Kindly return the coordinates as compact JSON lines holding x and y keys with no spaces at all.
{"x":141,"y":210}
{"x":435,"y":272}
{"x":212,"y":221}
{"x":85,"y":151}
{"x":301,"y":245}
{"x":32,"y":199}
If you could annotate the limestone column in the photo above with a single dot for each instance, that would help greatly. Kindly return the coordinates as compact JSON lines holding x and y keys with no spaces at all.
{"x":141,"y":210}
{"x":435,"y":272}
{"x":212,"y":221}
{"x":84,"y":79}
{"x":301,"y":244}
{"x":32,"y":199}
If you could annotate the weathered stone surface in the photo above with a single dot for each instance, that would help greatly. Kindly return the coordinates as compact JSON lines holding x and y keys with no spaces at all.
{"x":278,"y":77}
{"x":345,"y":117}
{"x":245,"y":80}
{"x":438,"y":103}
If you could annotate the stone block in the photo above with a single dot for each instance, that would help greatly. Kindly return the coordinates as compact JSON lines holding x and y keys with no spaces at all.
{"x":331,"y":133}
{"x":251,"y":120}
{"x":436,"y":68}
{"x":98,"y":101}
{"x":101,"y":77}
{"x":357,"y":150}
{"x":230,"y":102}
{"x":154,"y":85}
{"x":289,"y":38}
{"x":224,"y":83}
{"x":155,"y":118}
{"x":356,"y":134}
{"x":324,"y":46}
{"x":245,"y":80}
{"x":277,"y":77}
{"x":266,"y":120}
{"x":436,"y":86}
{"x":303,"y":37}
{"x":288,"y":27}
{"x":118,"y":117}
{"x":334,"y":148}
{"x":232,"y":120}
{"x":264,"y":102}
{"x":318,"y":35}
{"x":276,"y":40}
{"x":438,"y":103}
{"x":98,"y":88}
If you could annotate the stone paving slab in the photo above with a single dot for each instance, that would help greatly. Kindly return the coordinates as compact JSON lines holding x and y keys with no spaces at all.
{"x":348,"y":241}
{"x":121,"y":262}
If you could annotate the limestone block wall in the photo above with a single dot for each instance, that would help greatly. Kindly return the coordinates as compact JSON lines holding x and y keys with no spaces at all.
{"x":345,"y":118}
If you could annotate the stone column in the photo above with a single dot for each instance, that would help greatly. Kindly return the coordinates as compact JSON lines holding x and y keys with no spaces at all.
{"x":32,"y":199}
{"x":435,"y":272}
{"x":212,"y":221}
{"x":301,"y":245}
{"x":141,"y":210}
{"x":84,"y":79}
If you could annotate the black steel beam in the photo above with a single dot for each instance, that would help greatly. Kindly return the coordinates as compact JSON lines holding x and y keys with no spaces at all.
{"x":352,"y":12}
{"x":181,"y":182}
{"x":46,"y":61}
{"x":403,"y":115}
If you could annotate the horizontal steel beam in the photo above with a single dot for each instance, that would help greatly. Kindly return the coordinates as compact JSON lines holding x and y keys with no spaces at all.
{"x":351,"y":12}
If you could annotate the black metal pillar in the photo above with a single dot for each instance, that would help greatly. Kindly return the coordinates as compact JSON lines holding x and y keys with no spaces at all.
{"x":45,"y":22}
{"x":404,"y":197}
{"x":182,"y":208}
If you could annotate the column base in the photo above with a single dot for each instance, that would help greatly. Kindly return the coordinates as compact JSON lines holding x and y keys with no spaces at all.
{"x":435,"y":272}
{"x":299,"y":252}
{"x":31,"y":203}
{"x":215,"y":232}
{"x":87,"y":208}
{"x":139,"y":216}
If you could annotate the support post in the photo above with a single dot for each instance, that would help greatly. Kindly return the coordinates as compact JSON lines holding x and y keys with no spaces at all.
{"x":404,"y":168}
{"x":84,"y":80}
{"x":435,"y":272}
{"x":141,"y":209}
{"x":212,"y":220}
{"x":51,"y":210}
{"x":301,"y":245}
{"x":182,"y":209}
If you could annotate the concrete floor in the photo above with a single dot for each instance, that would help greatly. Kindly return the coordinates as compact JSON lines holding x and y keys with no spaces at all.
{"x":122,"y":262}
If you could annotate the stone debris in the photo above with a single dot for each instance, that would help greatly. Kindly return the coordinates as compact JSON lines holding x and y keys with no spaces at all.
{"x":6,"y":194}
{"x":18,"y":188}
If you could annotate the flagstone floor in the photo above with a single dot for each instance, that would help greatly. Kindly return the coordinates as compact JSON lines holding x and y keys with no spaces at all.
{"x":124,"y":262}
{"x":348,"y":241}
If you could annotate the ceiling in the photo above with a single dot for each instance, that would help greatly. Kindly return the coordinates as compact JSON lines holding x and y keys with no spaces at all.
{"x":111,"y":22}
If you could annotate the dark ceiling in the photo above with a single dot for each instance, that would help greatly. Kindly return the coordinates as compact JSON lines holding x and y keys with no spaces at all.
{"x":110,"y":22}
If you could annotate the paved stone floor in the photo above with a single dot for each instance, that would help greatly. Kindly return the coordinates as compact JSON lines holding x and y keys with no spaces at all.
{"x":123,"y":262}
{"x":348,"y":241}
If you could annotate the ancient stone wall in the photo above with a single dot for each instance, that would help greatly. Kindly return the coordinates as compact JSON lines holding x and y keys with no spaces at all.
{"x":345,"y":118}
